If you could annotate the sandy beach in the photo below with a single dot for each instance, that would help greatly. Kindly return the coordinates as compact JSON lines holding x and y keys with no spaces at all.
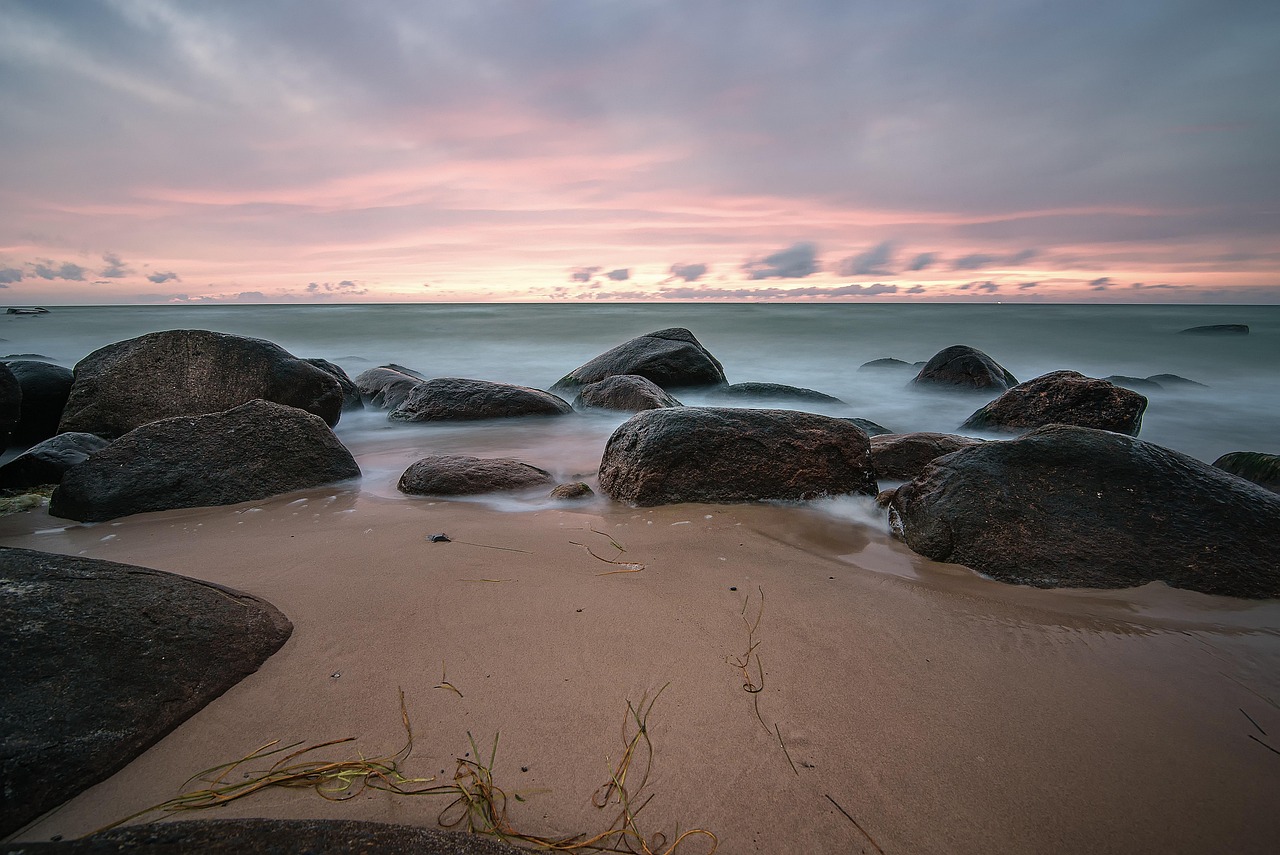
{"x":940,"y":711}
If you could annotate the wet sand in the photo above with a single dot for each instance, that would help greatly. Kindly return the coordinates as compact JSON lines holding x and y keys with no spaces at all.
{"x":942,"y":712}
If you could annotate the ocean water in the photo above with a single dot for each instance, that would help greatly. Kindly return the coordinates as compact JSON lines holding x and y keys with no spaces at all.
{"x":815,"y":346}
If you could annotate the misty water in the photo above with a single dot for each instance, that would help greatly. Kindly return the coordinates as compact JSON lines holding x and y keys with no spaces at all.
{"x":815,"y":346}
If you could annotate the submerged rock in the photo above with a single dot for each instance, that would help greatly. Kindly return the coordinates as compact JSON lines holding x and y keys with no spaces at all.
{"x":459,"y":399}
{"x":724,"y":454}
{"x":964,"y":367}
{"x":887,"y":362}
{"x":459,"y":475}
{"x":1070,"y":506}
{"x":1062,"y":397}
{"x":770,"y":392}
{"x":45,"y":462}
{"x":1261,"y":469}
{"x":628,"y":393}
{"x":671,"y":358}
{"x":45,"y":388}
{"x":1174,"y":380}
{"x":1137,"y":384}
{"x":387,"y":386}
{"x":902,"y":456}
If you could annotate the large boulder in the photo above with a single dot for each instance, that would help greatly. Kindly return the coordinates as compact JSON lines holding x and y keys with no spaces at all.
{"x":387,"y":386}
{"x":256,"y":450}
{"x":101,"y":660}
{"x":966,"y":368}
{"x":190,"y":373}
{"x":1262,"y":469}
{"x":45,"y":388}
{"x":460,"y":399}
{"x":351,"y":399}
{"x":458,"y":475}
{"x":776,"y":392}
{"x":1062,"y":397}
{"x":672,"y":358}
{"x":10,"y":403}
{"x":726,"y":454}
{"x":45,"y":462}
{"x":903,"y":456}
{"x":628,"y":393}
{"x":1071,"y":506}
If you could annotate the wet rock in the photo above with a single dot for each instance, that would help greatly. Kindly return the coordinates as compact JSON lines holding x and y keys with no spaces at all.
{"x":1217,"y":329}
{"x":628,"y":393}
{"x":869,"y":427}
{"x":1077,"y":507}
{"x":45,"y":388}
{"x":1062,"y":397}
{"x":387,"y":387}
{"x":460,"y":399}
{"x":723,"y":454}
{"x":887,"y":363}
{"x":1261,"y":469}
{"x":256,"y":450}
{"x":964,"y":367}
{"x":10,"y":403}
{"x":45,"y":462}
{"x":459,"y":475}
{"x":351,"y":399}
{"x":190,"y":373}
{"x":671,"y":358}
{"x":776,"y":392}
{"x":902,"y":456}
{"x":1167,"y":380}
{"x":574,"y":490}
{"x":1137,"y":384}
{"x":101,"y":660}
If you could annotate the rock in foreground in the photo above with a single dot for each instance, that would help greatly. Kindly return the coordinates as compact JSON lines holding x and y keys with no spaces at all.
{"x":965,"y":368}
{"x":672,"y":358}
{"x":722,"y":454}
{"x":45,"y":388}
{"x":101,"y":660}
{"x":256,"y":450}
{"x":459,"y":475}
{"x":1062,"y":397}
{"x":454,"y":399}
{"x":1075,"y":507}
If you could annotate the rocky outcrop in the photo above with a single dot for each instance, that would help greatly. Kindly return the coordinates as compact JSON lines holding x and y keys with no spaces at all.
{"x":101,"y":660}
{"x":351,"y":399}
{"x":966,"y":368}
{"x":1217,"y":329}
{"x":256,"y":450}
{"x":1062,"y":397}
{"x":10,"y":403}
{"x":386,"y":387}
{"x":902,"y":456}
{"x":1261,"y":469}
{"x":458,"y":475}
{"x":775,"y":392}
{"x":722,"y":454}
{"x":45,"y":388}
{"x":672,"y":358}
{"x":45,"y":462}
{"x":459,"y":399}
{"x":1075,"y":507}
{"x":190,"y":373}
{"x":628,"y":393}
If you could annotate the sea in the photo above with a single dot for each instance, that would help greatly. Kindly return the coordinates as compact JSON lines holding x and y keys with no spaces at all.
{"x":1234,"y":404}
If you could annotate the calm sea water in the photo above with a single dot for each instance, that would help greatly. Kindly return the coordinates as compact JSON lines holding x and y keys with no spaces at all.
{"x":815,"y":346}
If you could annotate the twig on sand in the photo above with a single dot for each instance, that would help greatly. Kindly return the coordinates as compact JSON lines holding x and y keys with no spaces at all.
{"x":784,"y":748}
{"x":487,"y":546}
{"x":445,"y":684}
{"x":1252,"y":722}
{"x":1263,"y":744}
{"x":743,"y":662}
{"x":855,"y":823}
{"x":627,"y":566}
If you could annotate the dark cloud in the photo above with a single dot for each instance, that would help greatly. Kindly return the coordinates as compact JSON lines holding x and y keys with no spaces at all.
{"x":1027,"y":286}
{"x":808,"y":291}
{"x":1102,"y":283}
{"x":988,"y":286}
{"x":346,"y":286}
{"x":583,"y":274}
{"x":10,"y":274}
{"x":688,"y":272}
{"x":915,"y":289}
{"x":877,"y":261}
{"x":923,"y":261}
{"x":622,"y":274}
{"x":116,"y":268}
{"x":52,"y":270}
{"x":794,"y":262}
{"x":163,"y":276}
{"x":1141,"y":286}
{"x":979,"y":260}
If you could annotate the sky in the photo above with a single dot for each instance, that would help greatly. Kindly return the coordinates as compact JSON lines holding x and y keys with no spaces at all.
{"x":157,"y":151}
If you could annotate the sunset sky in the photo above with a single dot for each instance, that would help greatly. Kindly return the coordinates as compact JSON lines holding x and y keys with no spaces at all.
{"x":518,"y":150}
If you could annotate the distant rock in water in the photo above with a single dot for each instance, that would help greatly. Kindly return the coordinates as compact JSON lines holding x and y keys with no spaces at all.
{"x":964,"y":367}
{"x":1217,"y":329}
{"x":1075,"y":507}
{"x":1137,"y":384}
{"x":45,"y":388}
{"x":887,"y":362}
{"x":1261,"y":469}
{"x":671,"y":358}
{"x":1062,"y":397}
{"x":1168,"y":380}
{"x":459,"y":475}
{"x":627,"y":393}
{"x":351,"y":399}
{"x":726,"y":454}
{"x":386,"y":387}
{"x":459,"y":399}
{"x":45,"y":462}
{"x":902,"y":456}
{"x":776,"y":392}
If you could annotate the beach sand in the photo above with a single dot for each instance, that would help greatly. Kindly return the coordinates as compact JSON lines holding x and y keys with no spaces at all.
{"x":942,"y":712}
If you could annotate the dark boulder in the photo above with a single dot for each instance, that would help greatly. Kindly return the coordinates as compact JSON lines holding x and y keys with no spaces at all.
{"x":1137,"y":384}
{"x":1166,"y":380}
{"x":459,"y":399}
{"x":1062,"y":397}
{"x":45,"y":462}
{"x":887,"y":363}
{"x":189,"y":373}
{"x":101,"y":660}
{"x":458,"y":475}
{"x":902,"y":456}
{"x":351,"y":399}
{"x":45,"y":388}
{"x":672,"y":358}
{"x":776,"y":392}
{"x":1217,"y":329}
{"x":870,"y":427}
{"x":726,"y":454}
{"x":1261,"y":469}
{"x":964,"y":367}
{"x":256,"y":450}
{"x":387,"y":386}
{"x":1071,"y":506}
{"x":573,"y":490}
{"x":10,"y":403}
{"x":628,"y":393}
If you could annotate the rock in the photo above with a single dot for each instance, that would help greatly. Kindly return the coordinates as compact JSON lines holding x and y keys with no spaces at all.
{"x":628,"y":393}
{"x":1217,"y":329}
{"x":387,"y":386}
{"x":726,"y":454}
{"x":256,"y":450}
{"x":1137,"y":384}
{"x":458,"y":475}
{"x":1174,"y":380}
{"x":190,"y":373}
{"x":671,"y":358}
{"x":770,"y":392}
{"x":574,"y":490}
{"x":45,"y":388}
{"x":1072,"y":506}
{"x":964,"y":367}
{"x":887,"y":362}
{"x":1261,"y":469}
{"x":101,"y":660}
{"x":869,"y":427}
{"x":10,"y":403}
{"x":902,"y":456}
{"x":26,"y":310}
{"x":459,"y":399}
{"x":1062,"y":397}
{"x":271,"y":837}
{"x":351,"y":399}
{"x":45,"y":462}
